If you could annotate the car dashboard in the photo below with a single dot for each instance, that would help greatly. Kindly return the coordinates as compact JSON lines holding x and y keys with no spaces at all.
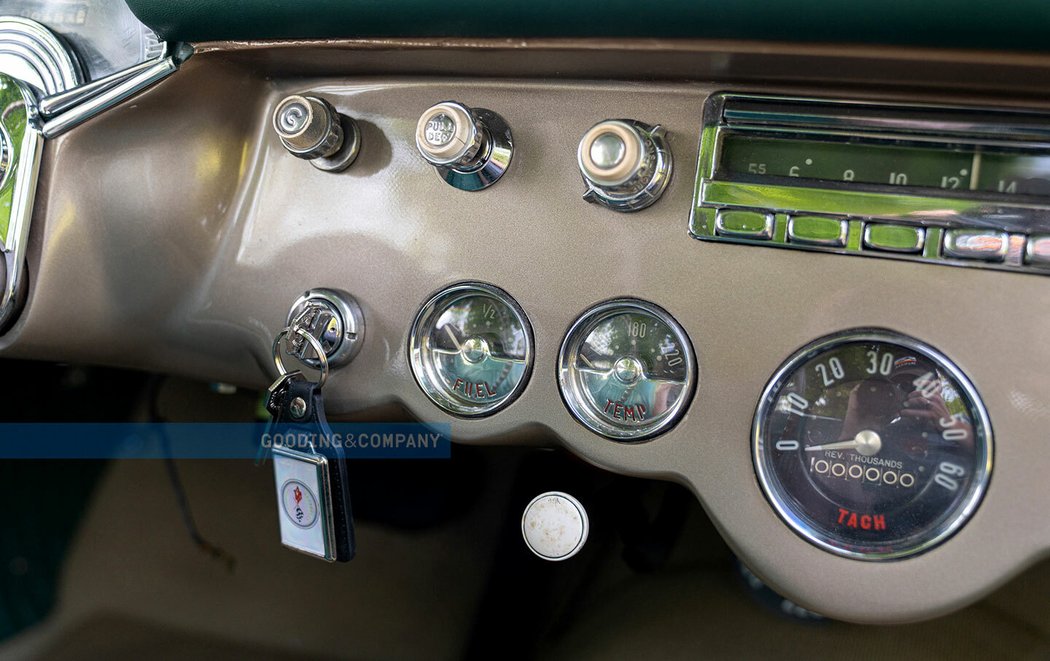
{"x":807,"y":280}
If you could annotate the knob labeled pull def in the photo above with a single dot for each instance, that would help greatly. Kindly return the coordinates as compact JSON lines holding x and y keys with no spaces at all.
{"x":310,"y":128}
{"x":471,"y":148}
{"x":626,"y":164}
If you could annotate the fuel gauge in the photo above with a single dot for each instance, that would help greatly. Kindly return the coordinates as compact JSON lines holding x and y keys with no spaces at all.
{"x":471,"y":349}
{"x":626,"y":370}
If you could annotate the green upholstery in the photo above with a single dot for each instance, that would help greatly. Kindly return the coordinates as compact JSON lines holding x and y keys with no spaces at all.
{"x":984,"y":24}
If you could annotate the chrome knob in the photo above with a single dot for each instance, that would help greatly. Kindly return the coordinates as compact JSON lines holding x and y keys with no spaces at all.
{"x":625,"y":164}
{"x":449,"y":133}
{"x":470,"y":147}
{"x":310,"y":128}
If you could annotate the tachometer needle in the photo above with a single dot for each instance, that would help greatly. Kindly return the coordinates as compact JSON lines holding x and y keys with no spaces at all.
{"x":816,"y":417}
{"x":866,"y":442}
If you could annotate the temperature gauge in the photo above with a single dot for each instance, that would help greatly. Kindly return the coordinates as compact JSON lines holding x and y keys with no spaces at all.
{"x":471,"y":349}
{"x":626,"y":370}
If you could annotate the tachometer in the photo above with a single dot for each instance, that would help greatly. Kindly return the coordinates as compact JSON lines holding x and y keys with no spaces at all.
{"x":872,"y":445}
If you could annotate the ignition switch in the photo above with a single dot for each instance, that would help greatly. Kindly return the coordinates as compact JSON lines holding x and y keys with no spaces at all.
{"x":334,"y":319}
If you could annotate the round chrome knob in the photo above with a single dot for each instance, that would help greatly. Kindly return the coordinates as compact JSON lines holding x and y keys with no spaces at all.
{"x":310,"y":128}
{"x":555,"y":526}
{"x":611,"y":153}
{"x":448,"y":133}
{"x":626,"y":164}
{"x":470,"y":147}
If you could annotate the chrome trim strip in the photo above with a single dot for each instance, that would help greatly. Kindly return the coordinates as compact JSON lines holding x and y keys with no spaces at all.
{"x":57,"y":103}
{"x":852,"y":115}
{"x":35,"y":63}
{"x":943,"y":211}
{"x":18,"y":117}
{"x":111,"y":95}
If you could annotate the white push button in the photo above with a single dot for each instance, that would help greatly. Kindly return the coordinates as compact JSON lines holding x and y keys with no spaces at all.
{"x":555,"y":526}
{"x":611,"y":153}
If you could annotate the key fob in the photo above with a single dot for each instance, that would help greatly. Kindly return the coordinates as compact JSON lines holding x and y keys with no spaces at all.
{"x":310,"y":472}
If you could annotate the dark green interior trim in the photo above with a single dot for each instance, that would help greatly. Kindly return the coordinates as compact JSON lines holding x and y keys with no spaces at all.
{"x":1008,"y":25}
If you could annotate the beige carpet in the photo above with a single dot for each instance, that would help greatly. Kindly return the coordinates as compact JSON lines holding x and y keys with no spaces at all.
{"x":136,"y":587}
{"x":405,"y":592}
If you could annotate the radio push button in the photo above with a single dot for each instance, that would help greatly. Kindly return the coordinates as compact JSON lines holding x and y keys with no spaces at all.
{"x":1037,"y":253}
{"x":745,"y":225}
{"x":817,"y":231}
{"x":990,"y":245}
{"x":894,"y":238}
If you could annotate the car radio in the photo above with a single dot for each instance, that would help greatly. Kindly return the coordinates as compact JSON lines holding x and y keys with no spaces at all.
{"x":950,"y":185}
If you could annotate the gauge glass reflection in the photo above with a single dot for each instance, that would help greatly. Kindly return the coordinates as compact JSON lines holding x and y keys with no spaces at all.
{"x":627,"y":370}
{"x":471,"y":349}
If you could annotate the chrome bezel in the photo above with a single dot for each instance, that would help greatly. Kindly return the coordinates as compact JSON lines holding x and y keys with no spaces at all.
{"x":421,"y":371}
{"x":859,"y":204}
{"x":569,"y":387}
{"x":770,"y":484}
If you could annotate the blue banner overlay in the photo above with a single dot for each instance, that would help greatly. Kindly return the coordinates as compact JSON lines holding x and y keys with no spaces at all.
{"x":225,"y":440}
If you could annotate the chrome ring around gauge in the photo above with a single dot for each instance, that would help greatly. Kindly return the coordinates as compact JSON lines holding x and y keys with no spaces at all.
{"x":872,"y":445}
{"x":626,"y":370}
{"x":471,"y":349}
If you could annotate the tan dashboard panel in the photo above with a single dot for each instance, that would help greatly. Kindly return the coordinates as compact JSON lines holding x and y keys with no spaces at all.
{"x":173,"y":233}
